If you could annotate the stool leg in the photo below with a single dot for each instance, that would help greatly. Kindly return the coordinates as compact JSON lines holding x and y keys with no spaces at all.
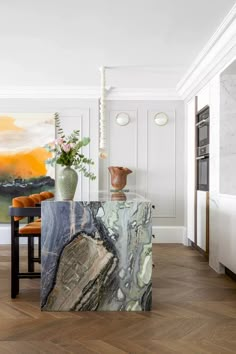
{"x":39,"y":249}
{"x":30,"y":254}
{"x":30,"y":249}
{"x":14,"y":258}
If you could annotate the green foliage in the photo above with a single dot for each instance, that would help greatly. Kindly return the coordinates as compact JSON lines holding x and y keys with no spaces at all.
{"x":67,"y":150}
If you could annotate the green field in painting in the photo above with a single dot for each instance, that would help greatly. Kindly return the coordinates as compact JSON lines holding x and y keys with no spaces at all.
{"x":5,"y":202}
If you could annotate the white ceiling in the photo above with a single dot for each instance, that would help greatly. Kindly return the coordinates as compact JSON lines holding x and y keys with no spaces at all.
{"x":64,"y":42}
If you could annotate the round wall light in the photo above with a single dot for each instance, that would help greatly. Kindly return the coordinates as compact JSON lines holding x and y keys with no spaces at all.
{"x":122,"y":119}
{"x":161,"y":118}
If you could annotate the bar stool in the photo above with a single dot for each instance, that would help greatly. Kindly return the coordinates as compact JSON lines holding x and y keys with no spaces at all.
{"x":23,"y":207}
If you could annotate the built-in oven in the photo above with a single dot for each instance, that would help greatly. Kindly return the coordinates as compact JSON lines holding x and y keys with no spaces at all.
{"x":203,"y":137}
{"x":203,"y":173}
{"x":203,"y":127}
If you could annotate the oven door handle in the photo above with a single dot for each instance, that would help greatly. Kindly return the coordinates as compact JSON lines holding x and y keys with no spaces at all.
{"x":202,"y":157}
{"x":203,"y":121}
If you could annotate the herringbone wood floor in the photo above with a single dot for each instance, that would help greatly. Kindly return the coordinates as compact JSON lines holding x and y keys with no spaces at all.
{"x":194,"y":311}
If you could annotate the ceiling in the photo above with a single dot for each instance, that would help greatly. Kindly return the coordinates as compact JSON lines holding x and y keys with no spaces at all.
{"x":64,"y":42}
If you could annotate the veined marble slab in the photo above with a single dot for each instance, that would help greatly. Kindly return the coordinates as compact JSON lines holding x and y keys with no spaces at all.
{"x":96,"y":256}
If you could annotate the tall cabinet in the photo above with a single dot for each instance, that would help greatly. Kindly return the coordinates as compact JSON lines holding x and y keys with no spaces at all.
{"x":202,"y":169}
{"x":198,"y":175}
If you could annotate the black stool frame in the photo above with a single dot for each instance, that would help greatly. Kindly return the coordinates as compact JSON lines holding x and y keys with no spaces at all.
{"x":16,"y":275}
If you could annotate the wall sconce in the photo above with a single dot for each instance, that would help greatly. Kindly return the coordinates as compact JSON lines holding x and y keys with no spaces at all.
{"x":122,"y":119}
{"x":161,"y":118}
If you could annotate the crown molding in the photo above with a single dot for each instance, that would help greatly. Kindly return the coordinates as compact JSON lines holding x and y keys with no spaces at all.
{"x":142,"y":94}
{"x":43,"y":92}
{"x":79,"y":92}
{"x":220,"y":49}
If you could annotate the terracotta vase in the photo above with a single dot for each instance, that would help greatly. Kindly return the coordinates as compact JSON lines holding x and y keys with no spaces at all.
{"x":119,"y":196}
{"x":118,"y":176}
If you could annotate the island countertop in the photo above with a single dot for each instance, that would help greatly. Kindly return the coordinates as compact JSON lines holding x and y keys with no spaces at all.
{"x":97,"y":255}
{"x":105,"y":196}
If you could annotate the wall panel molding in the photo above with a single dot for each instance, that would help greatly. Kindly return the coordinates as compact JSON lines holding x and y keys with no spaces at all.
{"x":165,"y":149}
{"x":148,"y":166}
{"x":121,"y":137}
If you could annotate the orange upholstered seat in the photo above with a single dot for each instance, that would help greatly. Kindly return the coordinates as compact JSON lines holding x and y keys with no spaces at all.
{"x":22,"y":202}
{"x":47,"y":194}
{"x":33,"y":228}
{"x":37,"y":198}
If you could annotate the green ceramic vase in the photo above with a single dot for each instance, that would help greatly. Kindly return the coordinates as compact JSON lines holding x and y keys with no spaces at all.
{"x":67,"y":182}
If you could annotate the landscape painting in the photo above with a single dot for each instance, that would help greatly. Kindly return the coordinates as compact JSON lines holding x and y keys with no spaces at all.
{"x":23,"y":168}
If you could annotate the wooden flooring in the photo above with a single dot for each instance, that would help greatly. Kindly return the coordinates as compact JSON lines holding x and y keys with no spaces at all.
{"x":194,"y":311}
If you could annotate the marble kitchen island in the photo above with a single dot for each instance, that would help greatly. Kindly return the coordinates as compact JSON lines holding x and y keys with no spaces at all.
{"x":97,"y":255}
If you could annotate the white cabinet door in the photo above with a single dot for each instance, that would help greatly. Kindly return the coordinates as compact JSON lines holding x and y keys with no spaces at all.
{"x":226,"y":222}
{"x":201,"y":219}
{"x":190,"y":169}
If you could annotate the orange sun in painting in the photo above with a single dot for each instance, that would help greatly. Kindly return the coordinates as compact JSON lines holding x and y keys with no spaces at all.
{"x":8,"y":123}
{"x":25,"y":164}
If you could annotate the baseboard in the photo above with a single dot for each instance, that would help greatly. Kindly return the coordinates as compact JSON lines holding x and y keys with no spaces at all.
{"x":5,"y":236}
{"x":169,"y":234}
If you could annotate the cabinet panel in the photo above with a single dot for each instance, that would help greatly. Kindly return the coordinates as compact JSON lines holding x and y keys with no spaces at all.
{"x":201,"y":219}
{"x":226,"y":223}
{"x":203,"y":97}
{"x":191,"y":169}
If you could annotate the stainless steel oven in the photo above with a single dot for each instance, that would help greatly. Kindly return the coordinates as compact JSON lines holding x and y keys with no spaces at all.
{"x":203,"y":127}
{"x":203,"y":173}
{"x":203,"y":139}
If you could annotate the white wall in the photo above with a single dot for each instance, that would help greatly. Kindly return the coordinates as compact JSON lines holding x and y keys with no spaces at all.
{"x":75,"y":114}
{"x":156,"y":156}
{"x":228,"y":131}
